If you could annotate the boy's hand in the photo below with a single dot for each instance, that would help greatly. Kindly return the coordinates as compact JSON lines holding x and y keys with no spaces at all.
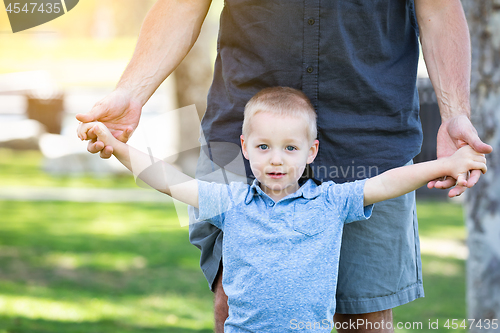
{"x":87,"y":131}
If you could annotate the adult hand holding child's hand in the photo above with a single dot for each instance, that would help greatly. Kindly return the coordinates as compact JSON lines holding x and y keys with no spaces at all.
{"x":464,"y":160}
{"x":453,"y":134}
{"x":96,"y":130}
{"x":119,"y":113}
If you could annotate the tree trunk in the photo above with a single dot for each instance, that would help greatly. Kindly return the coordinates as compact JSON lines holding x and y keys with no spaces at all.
{"x":192,"y":79}
{"x":483,"y":200}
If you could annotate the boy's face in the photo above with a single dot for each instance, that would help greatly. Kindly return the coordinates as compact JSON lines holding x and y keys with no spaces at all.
{"x":278,"y":149}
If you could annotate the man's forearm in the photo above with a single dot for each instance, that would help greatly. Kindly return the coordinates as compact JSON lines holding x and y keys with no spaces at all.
{"x":169,"y":31}
{"x":445,"y":40}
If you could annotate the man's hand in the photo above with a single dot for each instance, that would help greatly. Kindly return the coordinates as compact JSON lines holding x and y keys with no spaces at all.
{"x":119,"y":113}
{"x":454,"y":133}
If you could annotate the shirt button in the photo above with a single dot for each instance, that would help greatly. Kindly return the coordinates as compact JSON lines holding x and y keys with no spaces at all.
{"x":310,"y":69}
{"x":271,"y":204}
{"x":310,"y":21}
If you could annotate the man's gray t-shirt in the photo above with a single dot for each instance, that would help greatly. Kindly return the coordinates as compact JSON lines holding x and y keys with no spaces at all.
{"x":280,"y":258}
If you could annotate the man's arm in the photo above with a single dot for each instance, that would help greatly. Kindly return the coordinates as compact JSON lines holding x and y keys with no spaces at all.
{"x":445,"y":40}
{"x":156,"y":173}
{"x":399,"y":181}
{"x":169,"y":31}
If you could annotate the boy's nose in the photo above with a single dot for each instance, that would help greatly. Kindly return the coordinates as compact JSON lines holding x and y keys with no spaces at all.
{"x":276,"y":159}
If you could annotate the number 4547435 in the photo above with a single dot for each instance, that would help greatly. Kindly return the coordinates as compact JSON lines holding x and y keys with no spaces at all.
{"x":470,"y":323}
{"x":34,"y":7}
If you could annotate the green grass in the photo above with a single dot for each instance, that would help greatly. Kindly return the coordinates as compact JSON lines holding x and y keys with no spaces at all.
{"x":24,"y":168}
{"x":79,"y":267}
{"x":444,"y":278}
{"x":444,"y":283}
{"x":438,"y":220}
{"x":69,"y":267}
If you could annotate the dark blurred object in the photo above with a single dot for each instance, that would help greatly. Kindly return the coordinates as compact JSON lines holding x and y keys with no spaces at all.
{"x":431,"y":120}
{"x":48,"y":111}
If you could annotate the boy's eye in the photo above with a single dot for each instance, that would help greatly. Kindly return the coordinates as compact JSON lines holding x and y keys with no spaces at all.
{"x":290,"y":148}
{"x":263,"y":146}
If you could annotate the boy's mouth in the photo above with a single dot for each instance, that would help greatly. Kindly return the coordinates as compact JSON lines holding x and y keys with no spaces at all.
{"x":276,"y":175}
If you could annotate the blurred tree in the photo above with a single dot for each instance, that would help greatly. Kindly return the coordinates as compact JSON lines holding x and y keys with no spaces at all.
{"x":483,"y":200}
{"x":192,"y":79}
{"x":129,"y":14}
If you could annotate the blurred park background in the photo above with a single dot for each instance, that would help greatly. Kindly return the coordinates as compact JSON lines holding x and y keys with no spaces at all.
{"x":82,"y":247}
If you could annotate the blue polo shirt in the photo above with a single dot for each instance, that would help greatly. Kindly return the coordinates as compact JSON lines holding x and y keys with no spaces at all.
{"x":356,"y":60}
{"x":280,"y":258}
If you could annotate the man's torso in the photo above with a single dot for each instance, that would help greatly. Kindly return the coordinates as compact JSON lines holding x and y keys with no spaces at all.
{"x":356,"y":60}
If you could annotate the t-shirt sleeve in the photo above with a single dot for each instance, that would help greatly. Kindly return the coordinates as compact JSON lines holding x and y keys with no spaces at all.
{"x":347,"y":199}
{"x":214,"y":201}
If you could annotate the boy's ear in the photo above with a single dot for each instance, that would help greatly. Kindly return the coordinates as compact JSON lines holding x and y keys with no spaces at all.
{"x":244,"y":146}
{"x":313,"y":151}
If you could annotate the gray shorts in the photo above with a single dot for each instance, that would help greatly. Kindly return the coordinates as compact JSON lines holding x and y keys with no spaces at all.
{"x":380,"y":266}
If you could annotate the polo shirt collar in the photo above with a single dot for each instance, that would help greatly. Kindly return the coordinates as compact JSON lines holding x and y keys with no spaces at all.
{"x":309,"y":190}
{"x":253,"y":191}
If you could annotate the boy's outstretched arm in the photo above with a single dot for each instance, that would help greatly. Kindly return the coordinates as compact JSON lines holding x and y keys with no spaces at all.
{"x":399,"y":181}
{"x":155,"y":172}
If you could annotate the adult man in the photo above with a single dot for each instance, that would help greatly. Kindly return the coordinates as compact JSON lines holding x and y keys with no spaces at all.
{"x":356,"y":61}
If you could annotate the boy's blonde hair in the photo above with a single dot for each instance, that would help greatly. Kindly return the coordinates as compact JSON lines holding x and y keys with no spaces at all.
{"x":283,"y":101}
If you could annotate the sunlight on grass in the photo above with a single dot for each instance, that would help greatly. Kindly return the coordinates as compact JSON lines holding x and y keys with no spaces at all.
{"x":105,"y":261}
{"x":153,"y":311}
{"x":435,"y":267}
{"x":106,"y":222}
{"x":24,"y":168}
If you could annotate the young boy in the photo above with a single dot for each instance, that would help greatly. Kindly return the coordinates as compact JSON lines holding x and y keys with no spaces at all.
{"x":282,"y":240}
